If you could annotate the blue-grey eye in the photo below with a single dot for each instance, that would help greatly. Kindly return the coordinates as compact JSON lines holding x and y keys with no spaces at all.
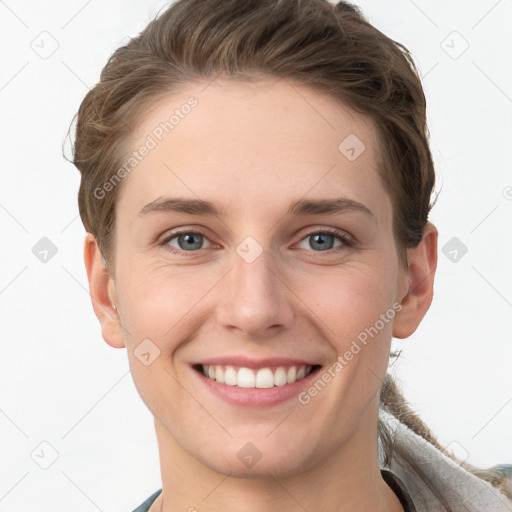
{"x":322,"y":241}
{"x":187,"y":241}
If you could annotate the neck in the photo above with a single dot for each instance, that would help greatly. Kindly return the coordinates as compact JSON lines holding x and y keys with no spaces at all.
{"x":347,"y":480}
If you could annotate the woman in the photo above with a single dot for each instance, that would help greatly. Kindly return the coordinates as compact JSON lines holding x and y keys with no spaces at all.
{"x":256,"y":184}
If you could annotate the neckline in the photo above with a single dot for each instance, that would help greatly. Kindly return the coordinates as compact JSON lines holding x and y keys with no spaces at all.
{"x":393,"y":481}
{"x":399,"y":488}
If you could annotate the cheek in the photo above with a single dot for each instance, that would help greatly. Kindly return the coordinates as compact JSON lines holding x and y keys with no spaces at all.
{"x":343,"y":301}
{"x":157,"y":300}
{"x":158,"y":310}
{"x":352,"y":300}
{"x":356,"y":310}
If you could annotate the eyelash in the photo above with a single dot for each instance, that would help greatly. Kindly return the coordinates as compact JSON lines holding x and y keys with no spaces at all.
{"x":347,"y":242}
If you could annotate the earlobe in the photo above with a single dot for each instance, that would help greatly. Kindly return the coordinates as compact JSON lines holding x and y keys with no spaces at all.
{"x":102,"y":293}
{"x":422,"y":264}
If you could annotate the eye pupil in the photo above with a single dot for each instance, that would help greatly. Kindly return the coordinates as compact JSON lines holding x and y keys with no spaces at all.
{"x":189,"y":241}
{"x":320,"y":239}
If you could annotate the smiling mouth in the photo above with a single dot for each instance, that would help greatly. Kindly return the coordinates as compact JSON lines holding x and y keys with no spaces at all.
{"x":242,"y":377}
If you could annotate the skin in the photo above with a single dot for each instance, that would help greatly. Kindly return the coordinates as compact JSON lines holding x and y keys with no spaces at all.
{"x":255,"y":148}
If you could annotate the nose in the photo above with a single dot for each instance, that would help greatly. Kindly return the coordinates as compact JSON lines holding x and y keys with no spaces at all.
{"x":254,"y":299}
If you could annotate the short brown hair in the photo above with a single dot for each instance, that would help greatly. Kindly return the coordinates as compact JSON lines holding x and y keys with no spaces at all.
{"x":328,"y":47}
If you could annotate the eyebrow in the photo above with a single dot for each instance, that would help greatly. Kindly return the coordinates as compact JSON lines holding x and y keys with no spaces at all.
{"x":298,"y":208}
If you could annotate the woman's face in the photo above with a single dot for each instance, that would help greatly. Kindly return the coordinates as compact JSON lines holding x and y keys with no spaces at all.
{"x":274,"y":278}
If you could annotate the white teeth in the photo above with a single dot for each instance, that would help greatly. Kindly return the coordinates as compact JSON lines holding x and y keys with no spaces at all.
{"x":249,"y":378}
{"x":280,"y":377}
{"x":265,"y":378}
{"x":246,"y":378}
{"x":230,"y":376}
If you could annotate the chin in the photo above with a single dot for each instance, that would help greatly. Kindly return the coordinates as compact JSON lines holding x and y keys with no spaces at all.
{"x":249,"y":461}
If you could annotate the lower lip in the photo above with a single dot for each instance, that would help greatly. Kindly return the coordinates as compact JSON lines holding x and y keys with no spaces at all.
{"x":257,"y":397}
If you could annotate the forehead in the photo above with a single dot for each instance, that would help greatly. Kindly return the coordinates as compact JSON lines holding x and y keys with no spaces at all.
{"x":254,"y":143}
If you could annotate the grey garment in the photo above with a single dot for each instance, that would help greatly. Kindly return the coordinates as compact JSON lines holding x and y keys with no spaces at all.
{"x":443,"y":486}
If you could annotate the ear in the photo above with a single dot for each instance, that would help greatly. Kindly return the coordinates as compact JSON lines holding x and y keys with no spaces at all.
{"x":102,"y":292}
{"x":422,"y":264}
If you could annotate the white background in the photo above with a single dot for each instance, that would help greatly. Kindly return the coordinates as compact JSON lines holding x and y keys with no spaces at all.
{"x":61,"y":383}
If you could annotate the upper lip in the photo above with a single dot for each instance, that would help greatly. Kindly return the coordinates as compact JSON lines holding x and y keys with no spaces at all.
{"x":247,"y":362}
